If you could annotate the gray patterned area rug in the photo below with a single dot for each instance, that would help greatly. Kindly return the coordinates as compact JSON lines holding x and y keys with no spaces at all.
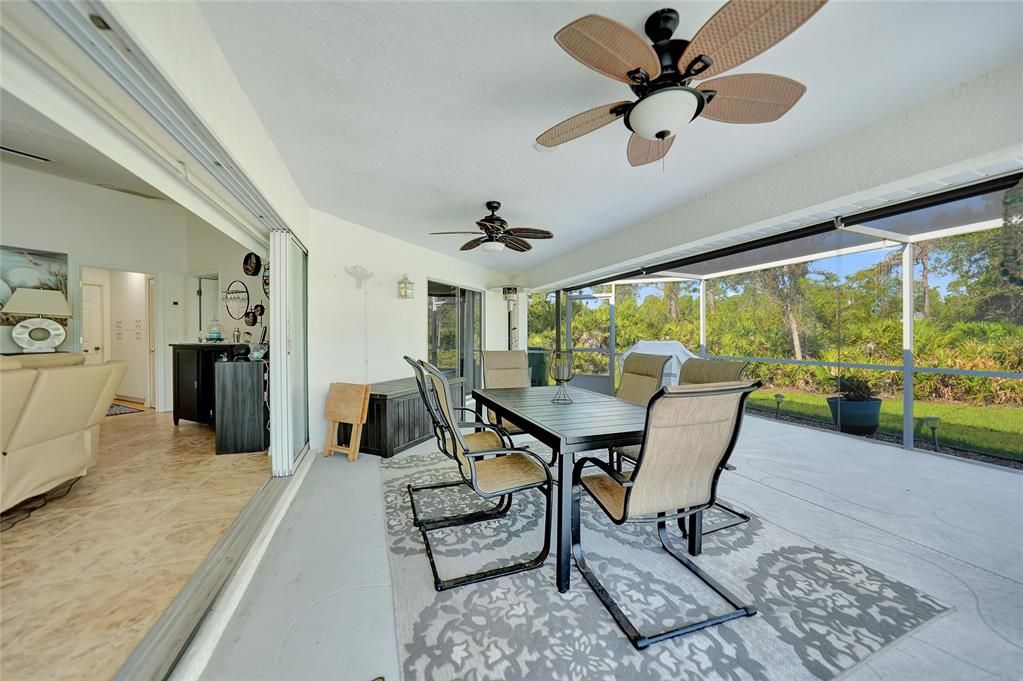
{"x":820,"y":613}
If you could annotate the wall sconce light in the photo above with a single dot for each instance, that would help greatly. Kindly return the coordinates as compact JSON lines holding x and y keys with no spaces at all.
{"x":406,"y":287}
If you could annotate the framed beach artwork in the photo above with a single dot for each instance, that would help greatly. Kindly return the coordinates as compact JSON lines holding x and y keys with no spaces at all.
{"x":29,"y":268}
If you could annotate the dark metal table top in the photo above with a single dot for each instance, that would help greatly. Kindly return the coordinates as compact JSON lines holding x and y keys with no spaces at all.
{"x":592,"y":421}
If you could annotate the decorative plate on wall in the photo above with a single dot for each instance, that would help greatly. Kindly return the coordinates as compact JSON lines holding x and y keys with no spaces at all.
{"x":266,"y":280}
{"x":252,"y":264}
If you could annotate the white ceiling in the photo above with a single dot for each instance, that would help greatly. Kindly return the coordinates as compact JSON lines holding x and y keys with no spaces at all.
{"x":25,"y":129}
{"x":406,"y":117}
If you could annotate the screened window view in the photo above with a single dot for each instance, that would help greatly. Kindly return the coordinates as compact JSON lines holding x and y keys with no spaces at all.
{"x":838,"y":336}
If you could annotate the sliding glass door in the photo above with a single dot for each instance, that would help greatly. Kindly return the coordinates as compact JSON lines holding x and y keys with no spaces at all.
{"x":454,"y":332}
{"x":297,"y":346}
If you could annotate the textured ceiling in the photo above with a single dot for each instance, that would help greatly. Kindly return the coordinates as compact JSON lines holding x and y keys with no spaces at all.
{"x":26,"y":130}
{"x":406,"y":117}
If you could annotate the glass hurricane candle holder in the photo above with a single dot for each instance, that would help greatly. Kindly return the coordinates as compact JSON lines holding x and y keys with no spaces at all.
{"x":562,"y":371}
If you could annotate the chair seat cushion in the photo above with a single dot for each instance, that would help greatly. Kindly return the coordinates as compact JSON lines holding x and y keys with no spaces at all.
{"x":607,"y":492}
{"x":507,"y":472}
{"x":479,"y":442}
{"x":512,"y":428}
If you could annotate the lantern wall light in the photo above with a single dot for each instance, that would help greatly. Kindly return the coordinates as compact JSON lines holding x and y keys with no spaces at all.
{"x":406,"y":287}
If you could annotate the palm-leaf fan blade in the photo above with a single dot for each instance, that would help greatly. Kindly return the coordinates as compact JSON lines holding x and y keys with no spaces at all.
{"x":529,"y":233}
{"x":582,"y":124}
{"x":517,"y":244}
{"x":642,"y":151}
{"x":472,"y":243}
{"x":608,"y":47}
{"x":742,"y":29}
{"x":751,"y":98}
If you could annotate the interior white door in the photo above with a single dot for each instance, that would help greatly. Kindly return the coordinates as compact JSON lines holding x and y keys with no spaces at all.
{"x":151,"y":334}
{"x":92,"y":323}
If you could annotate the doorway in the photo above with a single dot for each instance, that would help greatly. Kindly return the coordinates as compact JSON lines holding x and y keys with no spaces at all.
{"x":455,"y":332}
{"x":206,"y":296}
{"x":118,"y":323}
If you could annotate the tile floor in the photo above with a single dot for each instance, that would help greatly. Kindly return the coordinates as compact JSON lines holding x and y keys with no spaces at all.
{"x":85,"y":577}
{"x":320,"y":605}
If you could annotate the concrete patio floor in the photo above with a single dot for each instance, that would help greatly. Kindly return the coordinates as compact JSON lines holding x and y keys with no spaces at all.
{"x":320,"y":604}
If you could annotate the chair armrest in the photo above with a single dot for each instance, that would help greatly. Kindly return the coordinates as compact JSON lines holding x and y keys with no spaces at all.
{"x":501,"y":432}
{"x":510,"y":450}
{"x":602,"y":465}
{"x":479,"y":416}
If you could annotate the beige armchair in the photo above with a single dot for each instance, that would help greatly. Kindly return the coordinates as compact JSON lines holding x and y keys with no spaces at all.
{"x":505,"y":369}
{"x":690,"y":433}
{"x":49,"y":424}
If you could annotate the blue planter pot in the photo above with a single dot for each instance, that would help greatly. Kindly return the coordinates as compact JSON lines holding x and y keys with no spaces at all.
{"x":858,"y":418}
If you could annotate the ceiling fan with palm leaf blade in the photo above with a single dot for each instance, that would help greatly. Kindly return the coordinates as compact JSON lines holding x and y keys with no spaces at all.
{"x":662,"y":75}
{"x":497,"y":235}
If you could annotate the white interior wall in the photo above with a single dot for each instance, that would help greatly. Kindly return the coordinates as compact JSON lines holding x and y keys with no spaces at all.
{"x":210,"y":250}
{"x":360,"y":335}
{"x":116,"y":231}
{"x":101,"y":228}
{"x":129,"y":332}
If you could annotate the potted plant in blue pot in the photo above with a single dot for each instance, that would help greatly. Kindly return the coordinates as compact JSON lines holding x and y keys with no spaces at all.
{"x":855,"y":411}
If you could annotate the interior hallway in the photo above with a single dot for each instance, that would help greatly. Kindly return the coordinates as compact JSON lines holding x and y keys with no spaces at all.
{"x":85,"y":577}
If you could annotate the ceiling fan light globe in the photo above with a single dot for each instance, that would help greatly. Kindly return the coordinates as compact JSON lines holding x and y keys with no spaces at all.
{"x":492,"y":246}
{"x":664,"y":113}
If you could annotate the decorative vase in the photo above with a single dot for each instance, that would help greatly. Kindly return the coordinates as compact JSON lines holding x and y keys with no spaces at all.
{"x":214,"y":332}
{"x":562,"y":371}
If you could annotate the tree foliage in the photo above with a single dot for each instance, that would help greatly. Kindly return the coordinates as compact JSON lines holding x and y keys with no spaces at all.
{"x":967,"y":316}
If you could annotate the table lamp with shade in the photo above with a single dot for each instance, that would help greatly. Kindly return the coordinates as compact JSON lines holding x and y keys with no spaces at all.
{"x":40,"y":333}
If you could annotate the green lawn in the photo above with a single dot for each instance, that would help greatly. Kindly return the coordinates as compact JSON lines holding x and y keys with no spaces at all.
{"x":980,"y":428}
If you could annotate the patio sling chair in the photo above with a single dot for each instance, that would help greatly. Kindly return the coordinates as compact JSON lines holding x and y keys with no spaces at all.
{"x":505,"y":369}
{"x":642,"y":375}
{"x":690,"y":433}
{"x":490,"y":469}
{"x":487,"y":435}
{"x":700,"y":371}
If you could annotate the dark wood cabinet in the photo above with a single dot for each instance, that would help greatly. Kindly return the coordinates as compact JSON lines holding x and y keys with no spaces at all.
{"x":243,"y":414}
{"x":194,"y":380}
{"x":397,"y":417}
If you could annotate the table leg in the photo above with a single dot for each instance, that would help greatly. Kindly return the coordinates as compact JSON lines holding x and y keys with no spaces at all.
{"x":564,"y":567}
{"x":695,"y":533}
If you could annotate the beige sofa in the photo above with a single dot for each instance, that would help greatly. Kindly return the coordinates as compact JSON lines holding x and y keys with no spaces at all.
{"x":50,"y":410}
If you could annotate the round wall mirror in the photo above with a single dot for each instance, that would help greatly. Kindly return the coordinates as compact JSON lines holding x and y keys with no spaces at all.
{"x":236,"y":299}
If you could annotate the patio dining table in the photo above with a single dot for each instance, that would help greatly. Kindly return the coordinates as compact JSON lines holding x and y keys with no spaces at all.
{"x":593,"y":421}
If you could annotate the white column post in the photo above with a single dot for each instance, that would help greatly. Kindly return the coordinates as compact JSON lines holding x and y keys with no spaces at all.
{"x":703,"y":318}
{"x":281,"y":454}
{"x":907,"y":346}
